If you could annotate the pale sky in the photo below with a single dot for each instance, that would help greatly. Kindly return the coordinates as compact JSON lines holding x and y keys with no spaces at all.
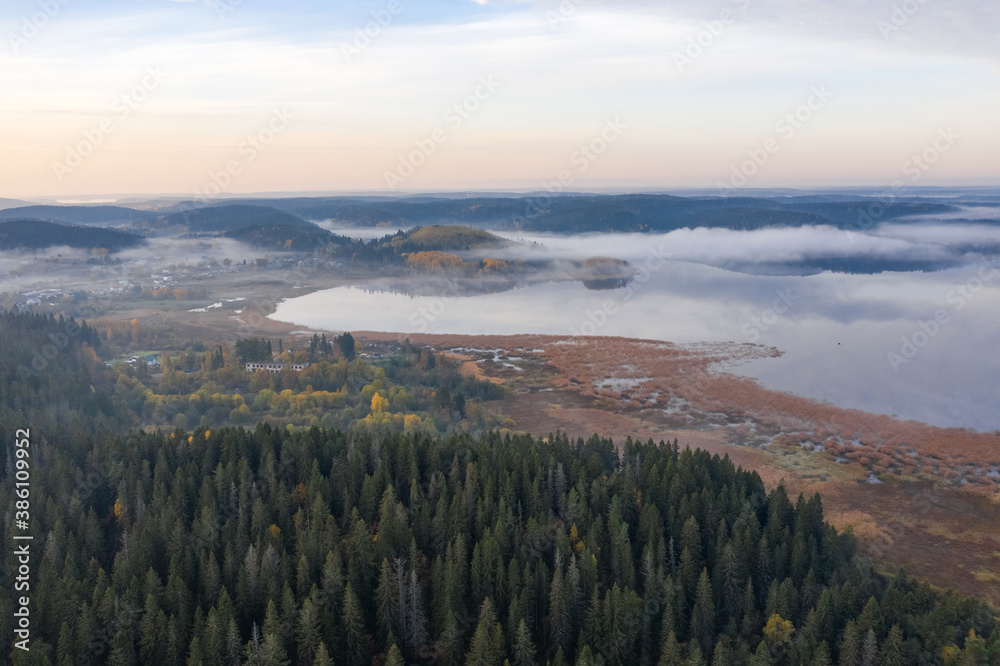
{"x":159,"y":96}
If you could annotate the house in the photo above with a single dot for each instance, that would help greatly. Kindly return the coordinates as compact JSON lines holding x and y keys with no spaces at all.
{"x":276,"y":367}
{"x":149,"y":360}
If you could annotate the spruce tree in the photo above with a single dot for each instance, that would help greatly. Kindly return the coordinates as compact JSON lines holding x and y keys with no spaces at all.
{"x":892,"y":649}
{"x":703,"y":614}
{"x":487,"y":648}
{"x":850,"y":646}
{"x":821,"y":656}
{"x":355,"y":649}
{"x":869,"y":649}
{"x":450,"y":642}
{"x":394,"y":657}
{"x":670,"y":653}
{"x":322,"y":657}
{"x":524,"y":648}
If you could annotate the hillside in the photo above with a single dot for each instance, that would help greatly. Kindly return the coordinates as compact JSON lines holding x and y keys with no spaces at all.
{"x":451,"y":238}
{"x":286,"y":237}
{"x":575,"y":213}
{"x":216,"y":219}
{"x":323,"y":546}
{"x":12,"y":203}
{"x":100,"y":216}
{"x":40,"y":234}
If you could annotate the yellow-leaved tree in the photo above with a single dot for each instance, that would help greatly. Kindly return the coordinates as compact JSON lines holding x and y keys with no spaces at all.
{"x":379,"y":404}
{"x":778,"y":630}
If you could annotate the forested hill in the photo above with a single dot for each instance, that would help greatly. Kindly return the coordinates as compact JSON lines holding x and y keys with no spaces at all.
{"x":104,"y":216}
{"x":580,"y":213}
{"x":367,"y":547}
{"x":40,"y":234}
{"x":215,"y":219}
{"x":50,"y":374}
{"x":287,"y":237}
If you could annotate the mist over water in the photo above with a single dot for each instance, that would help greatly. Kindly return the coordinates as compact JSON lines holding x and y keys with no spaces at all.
{"x":918,"y":345}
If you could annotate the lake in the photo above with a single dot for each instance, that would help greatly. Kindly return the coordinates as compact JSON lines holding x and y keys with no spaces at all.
{"x":917,"y":345}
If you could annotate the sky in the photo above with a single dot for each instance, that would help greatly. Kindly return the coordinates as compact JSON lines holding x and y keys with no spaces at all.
{"x":209,"y":98}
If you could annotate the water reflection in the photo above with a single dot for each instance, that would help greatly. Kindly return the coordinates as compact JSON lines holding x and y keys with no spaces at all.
{"x":839,"y":331}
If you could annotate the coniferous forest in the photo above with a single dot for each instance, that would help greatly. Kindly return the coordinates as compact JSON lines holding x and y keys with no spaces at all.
{"x":262,"y":547}
{"x":368,"y":545}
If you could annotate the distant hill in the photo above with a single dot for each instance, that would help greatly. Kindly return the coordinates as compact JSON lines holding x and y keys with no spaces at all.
{"x":591,"y":213}
{"x":40,"y":234}
{"x":12,"y":203}
{"x":286,"y":237}
{"x":101,"y":216}
{"x":217,"y":219}
{"x":445,"y":239}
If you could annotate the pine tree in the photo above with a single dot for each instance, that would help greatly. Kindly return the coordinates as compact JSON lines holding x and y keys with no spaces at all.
{"x":670,"y":653}
{"x":387,"y":604}
{"x":394,"y":658}
{"x":722,"y":655}
{"x":450,"y":642}
{"x":416,"y":621}
{"x":585,"y":658}
{"x":307,"y":633}
{"x":762,"y":657}
{"x":892,"y":649}
{"x":870,"y":618}
{"x":524,"y":648}
{"x":975,"y":650}
{"x":487,"y":647}
{"x":233,"y":645}
{"x":821,"y":656}
{"x":850,"y":647}
{"x":152,"y":631}
{"x":355,"y":649}
{"x":322,"y":657}
{"x":869,"y":649}
{"x":703,"y":614}
{"x":560,"y":612}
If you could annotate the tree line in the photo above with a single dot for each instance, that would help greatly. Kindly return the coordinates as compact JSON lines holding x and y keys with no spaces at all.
{"x":367,"y":546}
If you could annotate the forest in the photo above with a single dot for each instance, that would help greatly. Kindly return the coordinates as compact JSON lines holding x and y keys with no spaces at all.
{"x":376,"y":542}
{"x":259,"y":546}
{"x":38,"y":234}
{"x":578,"y":213}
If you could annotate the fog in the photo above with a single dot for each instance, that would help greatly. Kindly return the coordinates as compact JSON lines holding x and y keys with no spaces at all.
{"x":70,"y":270}
{"x":866,"y":341}
{"x":723,"y":247}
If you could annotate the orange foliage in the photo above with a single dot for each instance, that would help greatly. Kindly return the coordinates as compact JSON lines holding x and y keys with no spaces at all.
{"x":494,"y":266}
{"x":434,"y":261}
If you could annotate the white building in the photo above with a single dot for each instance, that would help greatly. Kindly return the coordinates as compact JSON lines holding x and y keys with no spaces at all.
{"x":275,"y":367}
